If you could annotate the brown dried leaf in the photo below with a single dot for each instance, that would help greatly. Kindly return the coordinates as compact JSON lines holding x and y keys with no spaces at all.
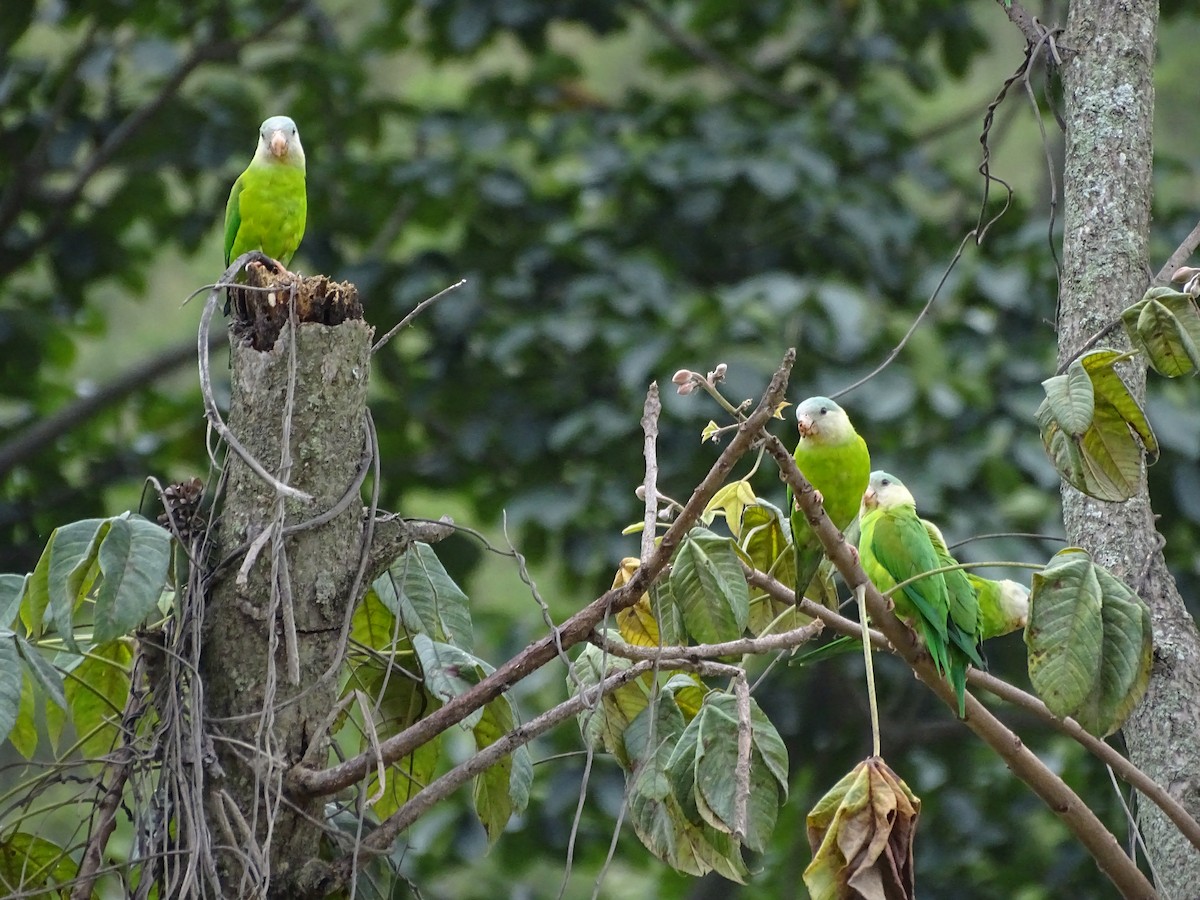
{"x":861,"y":833}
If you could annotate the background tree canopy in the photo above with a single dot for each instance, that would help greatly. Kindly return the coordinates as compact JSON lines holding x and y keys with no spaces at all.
{"x":629,"y":188}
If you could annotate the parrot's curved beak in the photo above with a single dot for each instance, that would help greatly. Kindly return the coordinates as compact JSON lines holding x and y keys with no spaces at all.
{"x":279,"y":144}
{"x":806,"y":426}
{"x":870,"y":499}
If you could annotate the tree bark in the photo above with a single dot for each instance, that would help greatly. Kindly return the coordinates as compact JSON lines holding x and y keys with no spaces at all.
{"x":263,"y":722}
{"x":1109,"y":106}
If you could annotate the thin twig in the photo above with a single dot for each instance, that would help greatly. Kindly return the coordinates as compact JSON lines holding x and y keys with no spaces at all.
{"x":650,"y":414}
{"x":741,"y":771}
{"x":416,"y":311}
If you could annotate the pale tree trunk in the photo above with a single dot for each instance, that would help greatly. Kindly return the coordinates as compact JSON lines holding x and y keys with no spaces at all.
{"x":1109,"y":108}
{"x":299,"y":407}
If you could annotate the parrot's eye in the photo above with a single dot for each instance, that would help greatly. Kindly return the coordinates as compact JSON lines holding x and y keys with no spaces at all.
{"x":824,"y":410}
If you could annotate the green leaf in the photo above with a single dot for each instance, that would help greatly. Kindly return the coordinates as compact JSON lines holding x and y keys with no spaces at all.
{"x":1071,"y":399}
{"x":667,"y":613}
{"x":715,"y":763}
{"x":96,"y":695}
{"x":397,"y":700}
{"x":418,"y":590}
{"x":1165,"y":326}
{"x":43,"y":672}
{"x":450,"y":671}
{"x":1105,"y":461}
{"x":708,"y":585}
{"x":605,"y":723}
{"x":134,"y":556}
{"x":12,"y":588}
{"x":29,"y":863}
{"x":10,"y":683}
{"x":373,"y":624}
{"x":654,"y":811}
{"x":501,"y":790}
{"x":1089,"y":640}
{"x":1111,"y":390}
{"x":58,"y":578}
{"x":24,"y":734}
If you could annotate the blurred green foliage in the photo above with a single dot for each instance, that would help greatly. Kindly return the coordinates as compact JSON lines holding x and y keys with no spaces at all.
{"x":629,"y":188}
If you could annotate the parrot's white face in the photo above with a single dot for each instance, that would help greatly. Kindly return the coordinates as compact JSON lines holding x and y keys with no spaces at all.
{"x":821,"y":419}
{"x":279,"y":141}
{"x":885,"y":491}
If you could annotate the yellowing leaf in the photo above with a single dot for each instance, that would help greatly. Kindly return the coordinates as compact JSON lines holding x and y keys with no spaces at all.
{"x":710,"y":431}
{"x":861,"y":834}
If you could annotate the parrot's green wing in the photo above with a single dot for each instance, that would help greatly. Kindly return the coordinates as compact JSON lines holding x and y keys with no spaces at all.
{"x":840,"y":472}
{"x":963,"y":629}
{"x":233,"y":218}
{"x":894,"y":548}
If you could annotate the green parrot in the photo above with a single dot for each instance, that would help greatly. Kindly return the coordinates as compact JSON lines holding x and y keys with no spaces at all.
{"x":894,"y":546}
{"x":267,"y":205}
{"x":1001,"y":606}
{"x":834,"y":459}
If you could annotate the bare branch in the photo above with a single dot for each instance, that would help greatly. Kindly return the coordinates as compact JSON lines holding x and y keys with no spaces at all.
{"x":416,"y":311}
{"x":650,"y":414}
{"x":306,"y":781}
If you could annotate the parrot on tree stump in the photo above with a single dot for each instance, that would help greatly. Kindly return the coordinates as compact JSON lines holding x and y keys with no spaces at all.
{"x":268,"y":205}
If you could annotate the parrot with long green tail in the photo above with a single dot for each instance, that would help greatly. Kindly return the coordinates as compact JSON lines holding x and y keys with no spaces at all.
{"x":268,"y":205}
{"x":1001,"y":606}
{"x":834,"y":459}
{"x":894,"y":546}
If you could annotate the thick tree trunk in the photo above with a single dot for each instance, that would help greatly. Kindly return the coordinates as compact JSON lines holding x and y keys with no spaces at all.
{"x":263,"y":721}
{"x":1109,"y":107}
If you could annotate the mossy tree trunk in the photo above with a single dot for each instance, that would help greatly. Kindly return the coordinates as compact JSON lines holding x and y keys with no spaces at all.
{"x":1109,"y":106}
{"x":262,"y":721}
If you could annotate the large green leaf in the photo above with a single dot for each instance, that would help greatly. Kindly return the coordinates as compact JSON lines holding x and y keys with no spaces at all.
{"x":713,"y":758}
{"x":10,"y":682}
{"x":396,"y":701}
{"x":24,"y":734}
{"x":58,"y":580}
{"x":708,"y":585}
{"x":1165,"y":326}
{"x":1089,"y":642}
{"x":501,"y":790}
{"x":96,"y":695}
{"x":373,"y":624}
{"x":450,"y":671}
{"x":1071,"y":399}
{"x":1111,"y":389}
{"x":417,"y":589}
{"x":133,"y":558}
{"x":46,"y":676}
{"x":30,"y":865}
{"x":12,"y":587}
{"x":123,"y":559}
{"x":604,"y":724}
{"x":659,"y":821}
{"x":1105,"y":459}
